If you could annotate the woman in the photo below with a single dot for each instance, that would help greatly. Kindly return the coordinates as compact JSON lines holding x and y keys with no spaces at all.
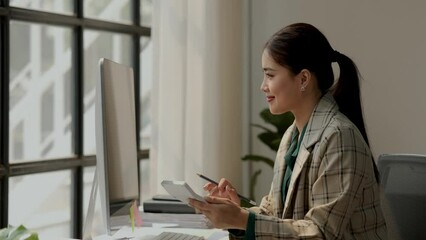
{"x":325,"y":183}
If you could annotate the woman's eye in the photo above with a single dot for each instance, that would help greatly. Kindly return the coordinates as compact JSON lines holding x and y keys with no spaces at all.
{"x":269,"y":75}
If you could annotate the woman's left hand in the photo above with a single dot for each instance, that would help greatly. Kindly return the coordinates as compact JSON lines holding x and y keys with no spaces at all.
{"x":222,"y":212}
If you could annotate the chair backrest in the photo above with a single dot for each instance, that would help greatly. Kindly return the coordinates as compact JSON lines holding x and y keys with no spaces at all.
{"x":403,"y":177}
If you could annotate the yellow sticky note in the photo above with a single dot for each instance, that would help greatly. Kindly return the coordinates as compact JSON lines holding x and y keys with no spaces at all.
{"x":132,"y":218}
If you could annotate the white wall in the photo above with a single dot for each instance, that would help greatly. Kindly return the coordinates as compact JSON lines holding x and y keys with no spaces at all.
{"x":387,"y":40}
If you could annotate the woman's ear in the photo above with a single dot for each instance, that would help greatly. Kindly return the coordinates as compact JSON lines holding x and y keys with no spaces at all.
{"x":305,"y":77}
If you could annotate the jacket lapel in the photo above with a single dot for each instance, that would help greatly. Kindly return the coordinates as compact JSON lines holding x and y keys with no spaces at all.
{"x":297,"y":169}
{"x":279,"y":170}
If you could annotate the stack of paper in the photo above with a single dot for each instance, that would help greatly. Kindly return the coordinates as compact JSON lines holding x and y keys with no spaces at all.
{"x":177,"y":220}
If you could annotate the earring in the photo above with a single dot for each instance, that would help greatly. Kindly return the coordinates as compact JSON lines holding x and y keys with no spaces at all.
{"x":302,"y":89}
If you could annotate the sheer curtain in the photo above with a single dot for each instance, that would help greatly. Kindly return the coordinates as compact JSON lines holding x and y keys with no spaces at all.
{"x":197,"y":91}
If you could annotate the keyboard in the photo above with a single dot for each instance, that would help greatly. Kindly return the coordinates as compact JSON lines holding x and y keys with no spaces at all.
{"x":177,"y":236}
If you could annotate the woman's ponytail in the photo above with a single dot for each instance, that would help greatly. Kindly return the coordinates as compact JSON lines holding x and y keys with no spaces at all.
{"x":346,"y":92}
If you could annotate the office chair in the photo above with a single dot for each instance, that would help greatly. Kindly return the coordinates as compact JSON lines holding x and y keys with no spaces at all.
{"x":403,"y":177}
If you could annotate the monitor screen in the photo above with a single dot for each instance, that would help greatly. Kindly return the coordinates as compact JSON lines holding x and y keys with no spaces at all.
{"x":116,"y":150}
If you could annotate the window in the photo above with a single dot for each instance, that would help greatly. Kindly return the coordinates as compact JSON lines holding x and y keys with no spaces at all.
{"x":63,"y":6}
{"x":49,"y":58}
{"x":146,"y":13}
{"x":109,"y":10}
{"x":38,"y":65}
{"x":41,"y":214}
{"x":47,"y":122}
{"x":145,"y":92}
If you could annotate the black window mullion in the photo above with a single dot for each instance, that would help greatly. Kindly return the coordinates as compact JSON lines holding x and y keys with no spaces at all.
{"x":143,"y":154}
{"x":4,"y":109}
{"x":3,"y":11}
{"x":136,"y":71}
{"x":136,"y":66}
{"x":4,"y":3}
{"x":136,"y":14}
{"x":24,"y":168}
{"x":115,"y":27}
{"x":77,"y":174}
{"x":30,"y":15}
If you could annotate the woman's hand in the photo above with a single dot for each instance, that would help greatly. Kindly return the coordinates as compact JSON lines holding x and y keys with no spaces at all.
{"x":223,"y":190}
{"x":222,"y":212}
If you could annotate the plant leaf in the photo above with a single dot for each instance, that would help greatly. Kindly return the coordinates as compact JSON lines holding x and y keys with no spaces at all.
{"x":261,"y":127}
{"x":33,"y":236}
{"x":270,"y":139}
{"x":276,"y":143}
{"x":18,"y":232}
{"x":257,"y":158}
{"x":4,"y":232}
{"x":281,"y":122}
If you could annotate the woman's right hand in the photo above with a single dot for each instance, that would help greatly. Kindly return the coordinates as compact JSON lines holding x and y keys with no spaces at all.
{"x":223,"y":190}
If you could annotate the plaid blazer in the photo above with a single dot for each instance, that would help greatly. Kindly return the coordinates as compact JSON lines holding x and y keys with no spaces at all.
{"x":333,"y":193}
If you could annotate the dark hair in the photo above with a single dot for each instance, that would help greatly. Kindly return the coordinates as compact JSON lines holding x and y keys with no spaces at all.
{"x":302,"y":46}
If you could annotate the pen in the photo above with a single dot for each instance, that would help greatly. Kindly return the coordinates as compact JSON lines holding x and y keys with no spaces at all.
{"x":214,"y":182}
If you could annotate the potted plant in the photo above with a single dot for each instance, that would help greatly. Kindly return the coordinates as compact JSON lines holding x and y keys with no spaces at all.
{"x":270,"y":137}
{"x":17,"y":233}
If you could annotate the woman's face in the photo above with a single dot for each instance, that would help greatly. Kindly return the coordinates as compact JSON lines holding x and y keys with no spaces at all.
{"x":281,"y":86}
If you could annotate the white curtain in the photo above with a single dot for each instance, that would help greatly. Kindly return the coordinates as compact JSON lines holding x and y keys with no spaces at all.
{"x":197,"y":91}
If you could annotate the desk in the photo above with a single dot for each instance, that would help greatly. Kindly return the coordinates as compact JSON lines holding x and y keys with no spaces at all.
{"x":146,"y":233}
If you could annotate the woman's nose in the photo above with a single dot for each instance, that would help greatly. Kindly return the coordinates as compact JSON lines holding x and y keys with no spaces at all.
{"x":263,"y":87}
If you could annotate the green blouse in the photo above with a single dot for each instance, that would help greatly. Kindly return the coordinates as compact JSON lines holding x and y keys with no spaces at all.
{"x":290,"y":159}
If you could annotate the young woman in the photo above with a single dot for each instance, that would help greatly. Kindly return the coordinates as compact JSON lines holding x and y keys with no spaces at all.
{"x":325,"y":183}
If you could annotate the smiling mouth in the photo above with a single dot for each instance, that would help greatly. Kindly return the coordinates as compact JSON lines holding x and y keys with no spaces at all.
{"x":270,"y":98}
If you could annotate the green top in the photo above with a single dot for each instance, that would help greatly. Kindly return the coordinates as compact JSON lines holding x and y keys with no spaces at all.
{"x":290,"y":159}
{"x":250,"y":227}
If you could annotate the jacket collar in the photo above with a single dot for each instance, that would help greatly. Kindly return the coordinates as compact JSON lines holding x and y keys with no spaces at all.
{"x":320,"y":118}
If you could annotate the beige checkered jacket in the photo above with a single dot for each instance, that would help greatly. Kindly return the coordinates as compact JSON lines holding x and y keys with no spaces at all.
{"x":333,"y":193}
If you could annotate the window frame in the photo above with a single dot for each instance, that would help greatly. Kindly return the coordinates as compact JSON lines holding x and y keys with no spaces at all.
{"x":78,"y":23}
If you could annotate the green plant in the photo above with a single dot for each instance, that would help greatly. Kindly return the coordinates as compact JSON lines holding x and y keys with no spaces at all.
{"x":17,"y":233}
{"x":271,"y":138}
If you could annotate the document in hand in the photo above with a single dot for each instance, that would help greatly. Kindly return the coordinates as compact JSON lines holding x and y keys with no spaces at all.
{"x":181,"y":190}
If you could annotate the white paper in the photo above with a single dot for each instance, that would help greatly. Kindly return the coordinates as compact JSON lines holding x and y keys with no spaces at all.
{"x":181,"y":190}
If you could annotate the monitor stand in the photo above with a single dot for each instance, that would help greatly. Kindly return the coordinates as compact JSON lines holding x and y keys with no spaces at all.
{"x":110,"y":224}
{"x":97,"y":223}
{"x":88,"y":223}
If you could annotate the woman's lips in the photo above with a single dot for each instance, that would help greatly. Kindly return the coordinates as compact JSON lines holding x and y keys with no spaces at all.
{"x":270,"y":98}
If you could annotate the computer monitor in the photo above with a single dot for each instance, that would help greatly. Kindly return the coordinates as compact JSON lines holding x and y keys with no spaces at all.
{"x":116,"y":150}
